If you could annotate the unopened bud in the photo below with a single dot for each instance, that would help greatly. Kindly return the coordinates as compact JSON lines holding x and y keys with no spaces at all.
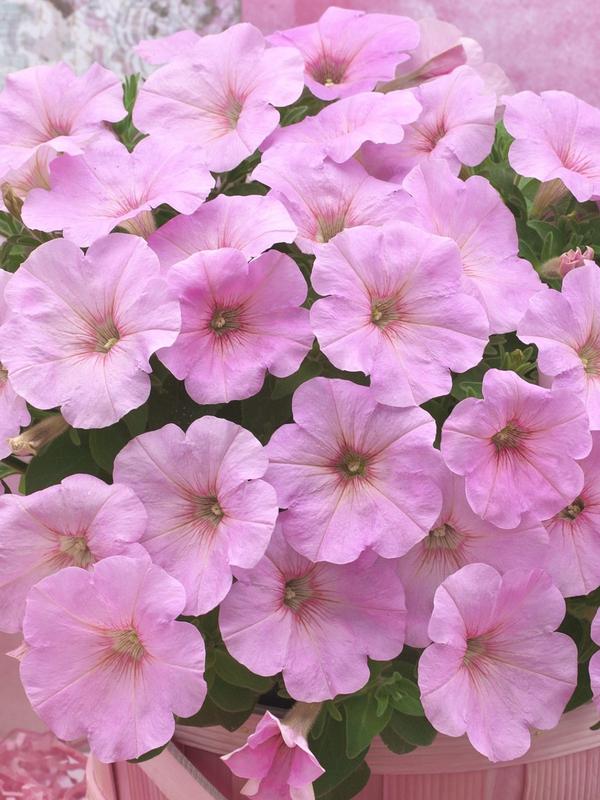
{"x":12,"y":201}
{"x":141,"y":225}
{"x":31,"y":441}
{"x":560,"y":266}
{"x":548,"y":194}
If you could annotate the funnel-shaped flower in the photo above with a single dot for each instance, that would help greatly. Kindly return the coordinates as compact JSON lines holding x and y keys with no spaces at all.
{"x":346,"y":51}
{"x":108,"y":186}
{"x":81,"y":328}
{"x":222,"y":95}
{"x":517,"y":449}
{"x":75,"y":523}
{"x":106,"y":659}
{"x":456,"y":124}
{"x":51,"y":107}
{"x":457,"y":538}
{"x":395,"y":310}
{"x":13,"y":409}
{"x":277,"y":760}
{"x":353,"y":474}
{"x":240,"y":319}
{"x":207,"y":511}
{"x":341,"y":128}
{"x":573,"y":559}
{"x":594,"y":666}
{"x":439,"y":51}
{"x":557,"y":136}
{"x":473,"y":214}
{"x":325,"y":198}
{"x":250,"y":223}
{"x":495,"y":669}
{"x":316,"y":623}
{"x":565,"y":327}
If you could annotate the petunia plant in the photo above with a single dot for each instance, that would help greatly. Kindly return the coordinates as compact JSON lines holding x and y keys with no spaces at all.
{"x":300,"y":398}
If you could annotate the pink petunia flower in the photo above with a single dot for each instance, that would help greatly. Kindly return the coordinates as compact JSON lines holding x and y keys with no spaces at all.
{"x":49,"y":107}
{"x":75,"y":523}
{"x":341,"y":128}
{"x":439,"y":51}
{"x":457,"y":125}
{"x":395,"y":311}
{"x":573,"y":559}
{"x":557,"y":136}
{"x":250,"y":223}
{"x":13,"y":409}
{"x":207,"y":510}
{"x":565,"y":327}
{"x":240,"y":319}
{"x":495,"y":668}
{"x":516,"y":449}
{"x":316,"y":623}
{"x":346,"y":52}
{"x":459,"y":537}
{"x":81,"y":328}
{"x":106,"y":659}
{"x":276,"y":758}
{"x":594,"y":665}
{"x":223,"y":95}
{"x":325,"y":198}
{"x":353,"y":474}
{"x":558,"y":267}
{"x":472,"y":214}
{"x":108,"y":186}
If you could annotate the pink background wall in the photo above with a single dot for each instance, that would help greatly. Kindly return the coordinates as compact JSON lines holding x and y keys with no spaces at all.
{"x":541,"y":44}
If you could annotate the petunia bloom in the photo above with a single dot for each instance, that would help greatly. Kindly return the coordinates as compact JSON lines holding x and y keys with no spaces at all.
{"x":353,"y":474}
{"x":496,"y":669}
{"x":517,"y":449}
{"x":276,"y":758}
{"x":573,"y":559}
{"x":316,"y":623}
{"x":13,"y":409}
{"x":222,"y":95}
{"x":240,"y":319}
{"x":346,"y":52}
{"x":473,"y":214}
{"x":207,"y":510}
{"x":51,"y":108}
{"x":456,"y":125}
{"x":75,"y":523}
{"x":117,"y":666}
{"x":341,"y":128}
{"x":594,"y":666}
{"x":81,"y":328}
{"x":557,"y":137}
{"x":108,"y":186}
{"x":250,"y":223}
{"x":395,"y":310}
{"x":325,"y":198}
{"x":439,"y":51}
{"x":459,"y":537}
{"x":565,"y":327}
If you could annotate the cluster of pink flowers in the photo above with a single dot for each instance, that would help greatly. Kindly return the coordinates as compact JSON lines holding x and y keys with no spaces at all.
{"x":226,"y":249}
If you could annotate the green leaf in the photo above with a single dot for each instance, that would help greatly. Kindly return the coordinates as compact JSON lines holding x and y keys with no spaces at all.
{"x":330,"y":750}
{"x":394,"y":742}
{"x":310,"y":368}
{"x":351,"y":786}
{"x":210,"y":715}
{"x":105,"y":443}
{"x":60,"y":459}
{"x":136,"y":420}
{"x":149,"y":755}
{"x":231,"y":698}
{"x":236,"y":674}
{"x":403,"y":695}
{"x":415,"y":730}
{"x":6,"y":470}
{"x":364,"y":720}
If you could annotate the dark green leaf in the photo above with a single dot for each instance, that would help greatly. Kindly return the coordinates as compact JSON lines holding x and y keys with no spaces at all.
{"x":136,"y":420}
{"x":364,"y":720}
{"x":310,"y":368}
{"x":210,"y":715}
{"x":349,"y":787}
{"x":415,"y":730}
{"x":55,"y":462}
{"x":230,"y":698}
{"x":105,"y":443}
{"x":236,"y":674}
{"x":394,"y":742}
{"x":330,"y":751}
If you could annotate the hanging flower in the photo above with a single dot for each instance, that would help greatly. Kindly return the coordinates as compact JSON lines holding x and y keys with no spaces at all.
{"x":346,"y":51}
{"x":75,"y":523}
{"x":495,"y":669}
{"x":517,"y":449}
{"x":81,"y":328}
{"x":353,"y":474}
{"x":222,"y":94}
{"x":394,"y":309}
{"x":316,"y":623}
{"x":116,"y":667}
{"x":13,"y":409}
{"x":240,"y":319}
{"x":207,"y":510}
{"x":250,"y":223}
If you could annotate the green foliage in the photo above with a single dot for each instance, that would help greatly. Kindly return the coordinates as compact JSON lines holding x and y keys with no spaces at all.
{"x":61,"y":458}
{"x":19,"y":242}
{"x":125,"y":129}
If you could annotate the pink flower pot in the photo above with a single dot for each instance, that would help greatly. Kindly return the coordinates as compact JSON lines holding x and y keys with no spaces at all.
{"x":562,"y":764}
